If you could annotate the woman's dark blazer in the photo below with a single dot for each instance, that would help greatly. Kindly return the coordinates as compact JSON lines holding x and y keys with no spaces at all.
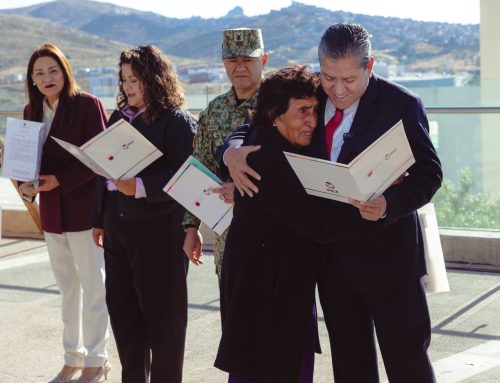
{"x":271,"y":262}
{"x":68,"y":207}
{"x":172,"y":133}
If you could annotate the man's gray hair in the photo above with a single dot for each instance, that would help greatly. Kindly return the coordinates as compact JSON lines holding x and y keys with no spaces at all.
{"x":346,"y":40}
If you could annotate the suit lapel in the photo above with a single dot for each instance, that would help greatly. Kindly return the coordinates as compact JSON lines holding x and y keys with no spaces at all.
{"x":367,"y":109}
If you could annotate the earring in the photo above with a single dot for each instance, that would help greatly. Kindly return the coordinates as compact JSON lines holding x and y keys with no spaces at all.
{"x":34,"y":83}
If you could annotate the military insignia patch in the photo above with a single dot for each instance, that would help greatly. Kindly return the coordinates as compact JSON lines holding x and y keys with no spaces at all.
{"x":238,"y":37}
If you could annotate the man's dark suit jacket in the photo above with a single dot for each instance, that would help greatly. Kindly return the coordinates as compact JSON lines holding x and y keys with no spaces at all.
{"x":394,"y":256}
{"x":68,"y":207}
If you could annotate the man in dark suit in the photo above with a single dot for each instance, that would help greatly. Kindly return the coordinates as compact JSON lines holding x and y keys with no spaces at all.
{"x":373,"y":283}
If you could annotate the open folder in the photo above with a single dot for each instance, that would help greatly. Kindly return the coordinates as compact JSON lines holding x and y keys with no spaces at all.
{"x":191,"y":186}
{"x":366,"y":177}
{"x":119,"y":152}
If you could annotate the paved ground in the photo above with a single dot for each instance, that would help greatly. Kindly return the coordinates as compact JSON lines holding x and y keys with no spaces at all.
{"x":466,"y":326}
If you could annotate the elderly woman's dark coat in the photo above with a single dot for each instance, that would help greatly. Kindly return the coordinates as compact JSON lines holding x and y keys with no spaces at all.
{"x":271,"y":264}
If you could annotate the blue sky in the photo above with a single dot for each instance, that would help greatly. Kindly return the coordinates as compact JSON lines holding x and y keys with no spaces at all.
{"x":453,"y":11}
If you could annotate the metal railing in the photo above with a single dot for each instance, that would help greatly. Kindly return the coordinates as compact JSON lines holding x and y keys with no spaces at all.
{"x":462,"y":109}
{"x":429,"y":109}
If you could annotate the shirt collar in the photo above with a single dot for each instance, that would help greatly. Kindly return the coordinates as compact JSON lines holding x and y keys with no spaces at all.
{"x":47,"y":108}
{"x":330,"y":110}
{"x":131,"y":114}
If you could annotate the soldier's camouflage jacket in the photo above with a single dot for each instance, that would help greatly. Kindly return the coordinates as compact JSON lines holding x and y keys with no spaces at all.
{"x":215,"y":124}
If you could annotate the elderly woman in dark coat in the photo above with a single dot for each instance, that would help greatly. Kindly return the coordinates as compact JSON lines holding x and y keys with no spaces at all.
{"x":272,"y":254}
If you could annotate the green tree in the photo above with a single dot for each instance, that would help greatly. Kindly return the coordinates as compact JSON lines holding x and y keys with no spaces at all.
{"x":458,"y":206}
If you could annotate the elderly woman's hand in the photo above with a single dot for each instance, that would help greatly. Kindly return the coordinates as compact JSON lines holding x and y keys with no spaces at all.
{"x":235,"y":159}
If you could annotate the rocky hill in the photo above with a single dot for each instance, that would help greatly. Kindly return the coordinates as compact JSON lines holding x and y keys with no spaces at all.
{"x":290,"y":34}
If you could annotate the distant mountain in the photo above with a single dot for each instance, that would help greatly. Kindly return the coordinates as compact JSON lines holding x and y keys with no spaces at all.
{"x":21,"y":35}
{"x":290,"y":34}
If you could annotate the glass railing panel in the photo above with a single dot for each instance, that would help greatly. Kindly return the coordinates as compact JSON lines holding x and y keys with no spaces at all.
{"x":468,"y":147}
{"x":477,"y":92}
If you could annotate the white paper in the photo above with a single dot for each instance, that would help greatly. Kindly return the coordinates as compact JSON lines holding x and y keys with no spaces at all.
{"x":83,"y":157}
{"x":365,"y":177}
{"x":191,"y":187}
{"x":23,"y":149}
{"x":436,"y":280}
{"x":119,"y":152}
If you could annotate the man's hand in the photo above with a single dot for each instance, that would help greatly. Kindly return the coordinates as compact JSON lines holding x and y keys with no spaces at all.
{"x":192,"y":245}
{"x":126,"y":187}
{"x":235,"y":159}
{"x":28,"y":188}
{"x":226,"y":192}
{"x":98,"y":236}
{"x":47,"y":183}
{"x":371,"y":210}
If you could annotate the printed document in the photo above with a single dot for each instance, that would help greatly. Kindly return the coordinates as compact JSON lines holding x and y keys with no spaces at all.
{"x":365,"y":177}
{"x":192,"y":187}
{"x":119,"y":152}
{"x":23,"y":149}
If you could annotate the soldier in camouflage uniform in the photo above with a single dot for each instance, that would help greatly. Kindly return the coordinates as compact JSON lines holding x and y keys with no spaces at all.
{"x":244,"y":59}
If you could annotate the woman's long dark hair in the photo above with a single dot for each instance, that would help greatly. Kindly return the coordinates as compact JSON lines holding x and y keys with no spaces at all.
{"x":162,"y":89}
{"x":68,"y":93}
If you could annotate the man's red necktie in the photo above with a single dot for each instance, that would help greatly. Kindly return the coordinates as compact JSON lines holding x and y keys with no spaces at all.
{"x":330,"y":129}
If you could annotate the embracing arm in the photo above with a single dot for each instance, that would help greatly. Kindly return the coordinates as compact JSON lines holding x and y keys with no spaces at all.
{"x":233,"y":160}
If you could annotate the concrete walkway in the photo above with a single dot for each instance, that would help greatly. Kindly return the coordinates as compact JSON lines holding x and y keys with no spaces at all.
{"x":466,"y":329}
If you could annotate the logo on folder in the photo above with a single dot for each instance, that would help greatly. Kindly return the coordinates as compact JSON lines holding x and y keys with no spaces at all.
{"x":330,"y":187}
{"x":206,"y":192}
{"x":125,"y":146}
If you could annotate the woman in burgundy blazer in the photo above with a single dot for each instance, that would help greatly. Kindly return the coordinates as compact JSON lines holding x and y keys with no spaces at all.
{"x":67,"y":190}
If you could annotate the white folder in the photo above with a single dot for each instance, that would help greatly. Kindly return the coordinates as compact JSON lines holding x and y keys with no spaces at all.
{"x":191,"y":186}
{"x":119,"y":152}
{"x":365,"y":177}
